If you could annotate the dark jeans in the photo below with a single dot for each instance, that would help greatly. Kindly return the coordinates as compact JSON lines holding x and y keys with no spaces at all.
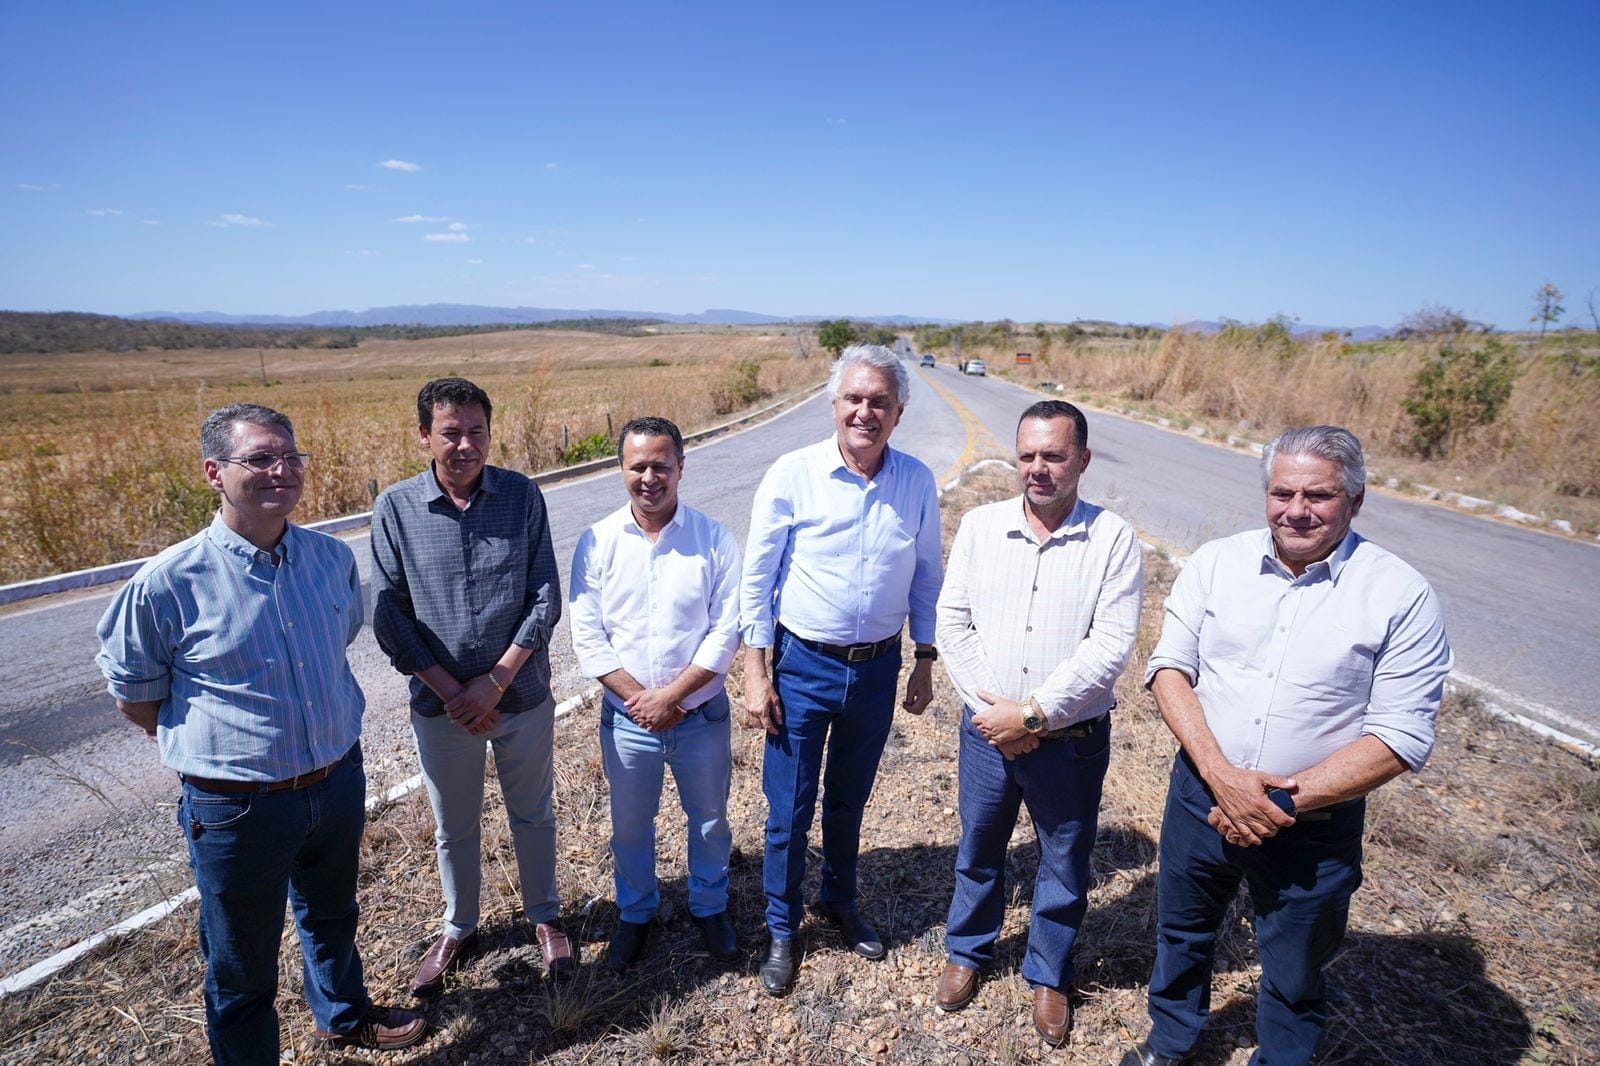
{"x":846,"y":708}
{"x":1059,"y":781}
{"x":250,"y":852}
{"x":1300,"y":881}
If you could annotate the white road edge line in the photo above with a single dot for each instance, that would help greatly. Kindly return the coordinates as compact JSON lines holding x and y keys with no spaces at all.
{"x":46,"y":968}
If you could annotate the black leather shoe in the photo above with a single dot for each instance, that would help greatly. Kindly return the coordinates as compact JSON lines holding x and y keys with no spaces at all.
{"x":777,"y":969}
{"x":718,"y":933}
{"x":627,"y":944}
{"x":1141,"y":1055}
{"x":858,"y":936}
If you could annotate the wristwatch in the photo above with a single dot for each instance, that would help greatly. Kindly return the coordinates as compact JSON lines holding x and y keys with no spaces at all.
{"x":1033,"y":719}
{"x":929,"y":653}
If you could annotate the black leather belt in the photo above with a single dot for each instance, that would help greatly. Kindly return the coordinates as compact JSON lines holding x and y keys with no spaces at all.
{"x":1076,"y":730}
{"x":851,"y":653}
{"x":305,"y":780}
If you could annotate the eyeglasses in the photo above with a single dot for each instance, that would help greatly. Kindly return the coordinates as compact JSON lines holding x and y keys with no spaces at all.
{"x":263,"y":462}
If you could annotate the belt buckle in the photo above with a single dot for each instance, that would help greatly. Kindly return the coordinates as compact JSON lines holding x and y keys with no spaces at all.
{"x":858,"y":653}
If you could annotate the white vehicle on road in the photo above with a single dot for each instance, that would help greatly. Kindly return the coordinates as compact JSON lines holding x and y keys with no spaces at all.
{"x":976,"y":367}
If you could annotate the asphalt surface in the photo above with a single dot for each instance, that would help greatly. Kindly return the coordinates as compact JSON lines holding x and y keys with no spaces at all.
{"x":86,"y":836}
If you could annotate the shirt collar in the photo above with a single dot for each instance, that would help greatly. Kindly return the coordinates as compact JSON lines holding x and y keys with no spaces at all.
{"x":831,"y":460}
{"x":1333,"y":565}
{"x":223,"y":536}
{"x":631,"y":524}
{"x":1074,"y":524}
{"x":432,"y":490}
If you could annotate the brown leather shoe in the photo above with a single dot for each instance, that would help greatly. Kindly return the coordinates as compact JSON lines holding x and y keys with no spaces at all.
{"x":380,"y":1029}
{"x":559,"y":959}
{"x":1052,"y":1015}
{"x":957,"y":985}
{"x":444,"y":954}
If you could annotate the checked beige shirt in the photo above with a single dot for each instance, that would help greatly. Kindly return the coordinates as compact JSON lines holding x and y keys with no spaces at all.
{"x":1054,"y":620}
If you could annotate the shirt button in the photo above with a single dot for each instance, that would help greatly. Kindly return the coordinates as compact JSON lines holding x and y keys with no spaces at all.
{"x":291,"y":625}
{"x":1258,"y":721}
{"x":301,"y":665}
{"x":1030,"y":629}
{"x":1270,"y":674}
{"x":1024,"y":669}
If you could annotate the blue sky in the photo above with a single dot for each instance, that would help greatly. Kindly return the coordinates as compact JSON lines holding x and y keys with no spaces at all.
{"x":1344,"y":163}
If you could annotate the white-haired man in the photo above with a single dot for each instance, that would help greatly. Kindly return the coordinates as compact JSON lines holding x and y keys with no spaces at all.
{"x":844,"y":546}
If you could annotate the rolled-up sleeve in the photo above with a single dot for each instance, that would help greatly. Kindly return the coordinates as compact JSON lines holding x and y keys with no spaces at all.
{"x":394,"y":618}
{"x":1408,"y":680}
{"x":135,"y":654}
{"x":590,"y":642}
{"x":1179,"y":645}
{"x":721,"y":642}
{"x":543,"y":602}
{"x":771,"y":522}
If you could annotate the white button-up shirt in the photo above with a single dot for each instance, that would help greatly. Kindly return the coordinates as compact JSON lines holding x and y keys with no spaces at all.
{"x":1054,"y":619}
{"x":1289,"y":670}
{"x":837,"y":557}
{"x":654,"y":607}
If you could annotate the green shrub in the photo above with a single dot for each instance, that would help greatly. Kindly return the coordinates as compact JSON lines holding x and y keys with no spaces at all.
{"x":739,"y":387}
{"x":1458,"y":389}
{"x":594,"y":446}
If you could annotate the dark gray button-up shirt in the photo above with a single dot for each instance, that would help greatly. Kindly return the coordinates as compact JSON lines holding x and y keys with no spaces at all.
{"x":457,"y":587}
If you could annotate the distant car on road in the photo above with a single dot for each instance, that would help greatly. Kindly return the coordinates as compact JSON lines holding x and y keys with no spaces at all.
{"x":927,"y":359}
{"x":976,"y":367}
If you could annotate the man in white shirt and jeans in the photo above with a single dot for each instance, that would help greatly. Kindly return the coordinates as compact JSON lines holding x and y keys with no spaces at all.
{"x":655,"y":618}
{"x":844,"y":545}
{"x":1037,"y":619}
{"x":1300,"y":667}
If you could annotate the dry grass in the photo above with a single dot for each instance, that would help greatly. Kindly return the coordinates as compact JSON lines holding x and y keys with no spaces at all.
{"x":1472,"y":941}
{"x":1541,"y":455}
{"x":108,"y":468}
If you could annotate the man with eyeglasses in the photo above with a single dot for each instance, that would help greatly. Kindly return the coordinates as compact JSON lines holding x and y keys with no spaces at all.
{"x":229,"y":649}
{"x":1300,"y":667}
{"x":467,"y":595}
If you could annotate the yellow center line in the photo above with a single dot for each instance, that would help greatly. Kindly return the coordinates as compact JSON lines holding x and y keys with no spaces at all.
{"x":975,"y":430}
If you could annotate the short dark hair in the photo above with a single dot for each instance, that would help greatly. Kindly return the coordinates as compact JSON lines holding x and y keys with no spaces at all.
{"x":216,"y":432}
{"x":451,"y":392}
{"x":650,"y":426}
{"x":1059,"y":409}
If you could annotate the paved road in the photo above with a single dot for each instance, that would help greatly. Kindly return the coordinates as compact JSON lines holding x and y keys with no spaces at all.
{"x":85,"y":838}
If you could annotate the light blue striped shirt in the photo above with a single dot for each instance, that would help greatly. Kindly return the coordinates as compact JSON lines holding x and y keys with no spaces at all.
{"x":838,"y":558}
{"x":246,"y":658}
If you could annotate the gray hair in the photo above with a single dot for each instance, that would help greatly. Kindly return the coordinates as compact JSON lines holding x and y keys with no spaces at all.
{"x":1334,"y":443}
{"x":877,"y":357}
{"x":216,"y":432}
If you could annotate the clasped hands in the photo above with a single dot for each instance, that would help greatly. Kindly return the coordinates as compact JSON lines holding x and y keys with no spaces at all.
{"x":476,"y":705}
{"x":1000,"y":724}
{"x":1243,"y":814}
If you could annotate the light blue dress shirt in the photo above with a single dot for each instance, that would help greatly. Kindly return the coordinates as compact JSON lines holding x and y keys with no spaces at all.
{"x":1289,"y":670}
{"x":246,"y":658}
{"x":839,"y":558}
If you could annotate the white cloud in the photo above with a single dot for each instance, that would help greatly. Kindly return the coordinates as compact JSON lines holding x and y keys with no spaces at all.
{"x":232,"y":219}
{"x":362,"y":252}
{"x":400,"y":164}
{"x":474,"y":262}
{"x":423,"y":218}
{"x":358,"y":188}
{"x":150,"y":221}
{"x":29,"y":186}
{"x":585,"y":266}
{"x":447,"y":238}
{"x":549,"y":166}
{"x":457,"y":227}
{"x":104,"y":211}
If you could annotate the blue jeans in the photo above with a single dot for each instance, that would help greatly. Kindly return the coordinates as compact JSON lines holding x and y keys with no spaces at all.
{"x":250,"y":852}
{"x":847,"y":709}
{"x":699,"y":751}
{"x":452,"y":769}
{"x":1059,"y":781}
{"x":1300,"y":881}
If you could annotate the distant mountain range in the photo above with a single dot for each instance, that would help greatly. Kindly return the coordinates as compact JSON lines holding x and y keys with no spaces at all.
{"x":476,"y":315}
{"x":1355,"y":333}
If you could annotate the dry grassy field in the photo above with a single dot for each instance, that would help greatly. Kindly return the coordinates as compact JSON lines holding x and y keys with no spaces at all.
{"x":1472,"y":941}
{"x":1540,"y":453}
{"x":107,"y":465}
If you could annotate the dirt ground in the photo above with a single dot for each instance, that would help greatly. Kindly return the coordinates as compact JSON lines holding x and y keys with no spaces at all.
{"x":1475,"y":938}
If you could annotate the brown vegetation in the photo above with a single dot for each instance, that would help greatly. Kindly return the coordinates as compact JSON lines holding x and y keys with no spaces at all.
{"x":103,"y":464}
{"x":1472,"y":941}
{"x":1539,"y":450}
